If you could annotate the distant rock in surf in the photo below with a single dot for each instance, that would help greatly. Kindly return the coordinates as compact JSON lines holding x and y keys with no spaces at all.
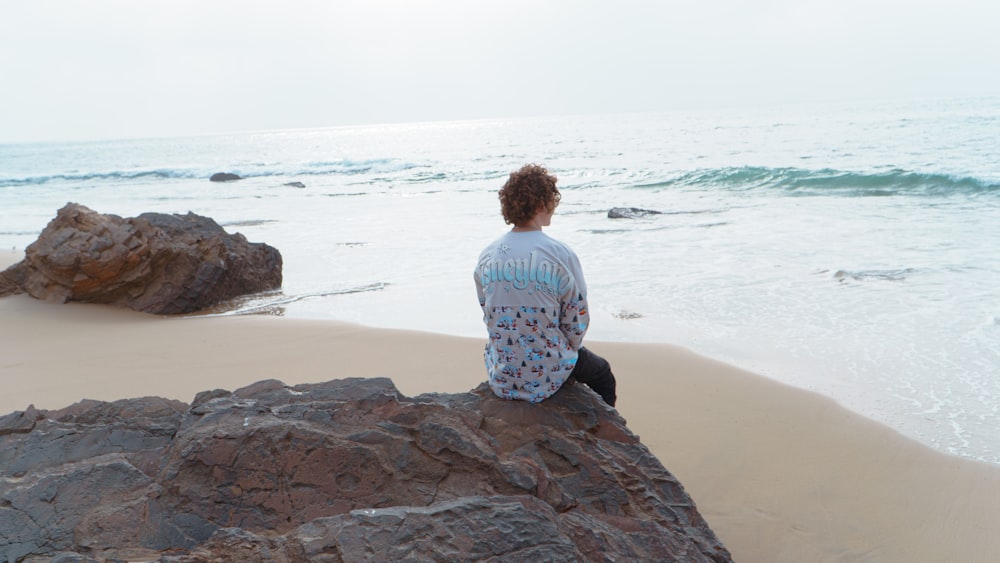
{"x":626,"y":315}
{"x":224,"y":177}
{"x":295,"y":185}
{"x":864,"y":275}
{"x":630,"y":212}
{"x":155,"y":263}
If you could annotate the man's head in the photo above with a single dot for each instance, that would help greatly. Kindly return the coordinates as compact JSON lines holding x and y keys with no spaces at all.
{"x":528,"y":191}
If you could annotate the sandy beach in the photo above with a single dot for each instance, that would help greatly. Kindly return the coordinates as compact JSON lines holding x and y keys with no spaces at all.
{"x":781,"y":474}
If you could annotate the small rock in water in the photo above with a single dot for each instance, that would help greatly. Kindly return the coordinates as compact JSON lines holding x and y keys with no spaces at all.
{"x":295,"y":185}
{"x":630,"y":212}
{"x":224,"y":177}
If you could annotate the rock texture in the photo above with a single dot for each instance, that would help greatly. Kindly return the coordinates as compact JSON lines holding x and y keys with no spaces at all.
{"x":156,"y":263}
{"x":224,"y":177}
{"x":630,"y":212}
{"x":348,"y":470}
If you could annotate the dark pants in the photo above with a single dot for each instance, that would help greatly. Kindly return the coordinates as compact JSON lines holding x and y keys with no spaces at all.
{"x":595,"y":372}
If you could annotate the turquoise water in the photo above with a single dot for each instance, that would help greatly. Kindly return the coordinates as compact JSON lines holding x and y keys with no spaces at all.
{"x":849,"y":249}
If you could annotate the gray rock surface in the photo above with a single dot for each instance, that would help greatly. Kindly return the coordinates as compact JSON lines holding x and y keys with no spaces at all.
{"x":347,"y":470}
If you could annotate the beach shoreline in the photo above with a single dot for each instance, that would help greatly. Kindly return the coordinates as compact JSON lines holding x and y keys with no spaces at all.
{"x":780,"y":473}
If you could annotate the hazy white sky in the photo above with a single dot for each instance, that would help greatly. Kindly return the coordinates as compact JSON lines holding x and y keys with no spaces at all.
{"x":97,"y":69}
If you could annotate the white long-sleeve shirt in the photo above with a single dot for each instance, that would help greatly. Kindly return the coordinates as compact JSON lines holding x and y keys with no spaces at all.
{"x":534,"y":301}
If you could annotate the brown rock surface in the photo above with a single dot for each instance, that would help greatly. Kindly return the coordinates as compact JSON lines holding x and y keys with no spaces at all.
{"x":348,"y":470}
{"x":156,"y":263}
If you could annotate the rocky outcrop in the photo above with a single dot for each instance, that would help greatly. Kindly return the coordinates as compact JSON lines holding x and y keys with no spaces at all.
{"x":630,"y":212}
{"x":156,"y":263}
{"x":224,"y":177}
{"x":348,"y":470}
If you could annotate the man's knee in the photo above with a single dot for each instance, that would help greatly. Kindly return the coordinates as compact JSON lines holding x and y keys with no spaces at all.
{"x":590,"y":366}
{"x":595,"y":372}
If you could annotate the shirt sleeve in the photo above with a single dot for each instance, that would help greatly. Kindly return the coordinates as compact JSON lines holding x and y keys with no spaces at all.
{"x":479,"y":289}
{"x":574,"y":317}
{"x":478,"y":279}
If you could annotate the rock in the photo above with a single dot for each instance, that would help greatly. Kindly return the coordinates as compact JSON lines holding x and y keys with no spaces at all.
{"x":509,"y":528}
{"x":156,"y":263}
{"x":19,"y":422}
{"x":347,"y":470}
{"x":630,"y":212}
{"x":295,"y":184}
{"x":91,"y":429}
{"x":8,"y":284}
{"x":224,"y":177}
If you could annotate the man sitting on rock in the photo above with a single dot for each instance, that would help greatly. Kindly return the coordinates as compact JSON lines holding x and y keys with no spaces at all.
{"x":534,"y":300}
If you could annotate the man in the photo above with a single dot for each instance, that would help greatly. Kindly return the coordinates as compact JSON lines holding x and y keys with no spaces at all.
{"x":534,"y":300}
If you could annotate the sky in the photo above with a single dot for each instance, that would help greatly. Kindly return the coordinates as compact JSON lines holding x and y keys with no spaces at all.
{"x":105,"y":69}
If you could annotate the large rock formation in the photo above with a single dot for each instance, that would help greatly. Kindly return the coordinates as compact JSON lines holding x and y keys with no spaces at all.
{"x":348,"y":470}
{"x":156,"y":263}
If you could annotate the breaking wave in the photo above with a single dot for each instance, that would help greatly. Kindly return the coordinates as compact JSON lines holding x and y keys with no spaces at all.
{"x":274,"y":302}
{"x":256,"y":170}
{"x":803,"y":182}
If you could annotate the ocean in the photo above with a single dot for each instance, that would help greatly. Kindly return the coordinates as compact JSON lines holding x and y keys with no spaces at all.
{"x":852,"y":249}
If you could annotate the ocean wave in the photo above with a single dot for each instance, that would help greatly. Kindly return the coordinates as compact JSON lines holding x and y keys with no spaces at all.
{"x":274,"y":302}
{"x":350,"y":167}
{"x":866,"y":275}
{"x":248,"y":223}
{"x":603,"y":231}
{"x":115,"y":176}
{"x":257,"y":170}
{"x":804,"y":182}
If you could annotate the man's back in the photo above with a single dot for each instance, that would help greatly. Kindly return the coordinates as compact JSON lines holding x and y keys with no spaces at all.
{"x":532,"y":292}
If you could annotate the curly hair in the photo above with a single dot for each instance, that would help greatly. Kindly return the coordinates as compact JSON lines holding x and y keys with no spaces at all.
{"x":525,"y":191}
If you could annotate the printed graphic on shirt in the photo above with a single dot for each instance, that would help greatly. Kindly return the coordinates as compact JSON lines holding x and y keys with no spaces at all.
{"x":527,"y":358}
{"x":524,"y":273}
